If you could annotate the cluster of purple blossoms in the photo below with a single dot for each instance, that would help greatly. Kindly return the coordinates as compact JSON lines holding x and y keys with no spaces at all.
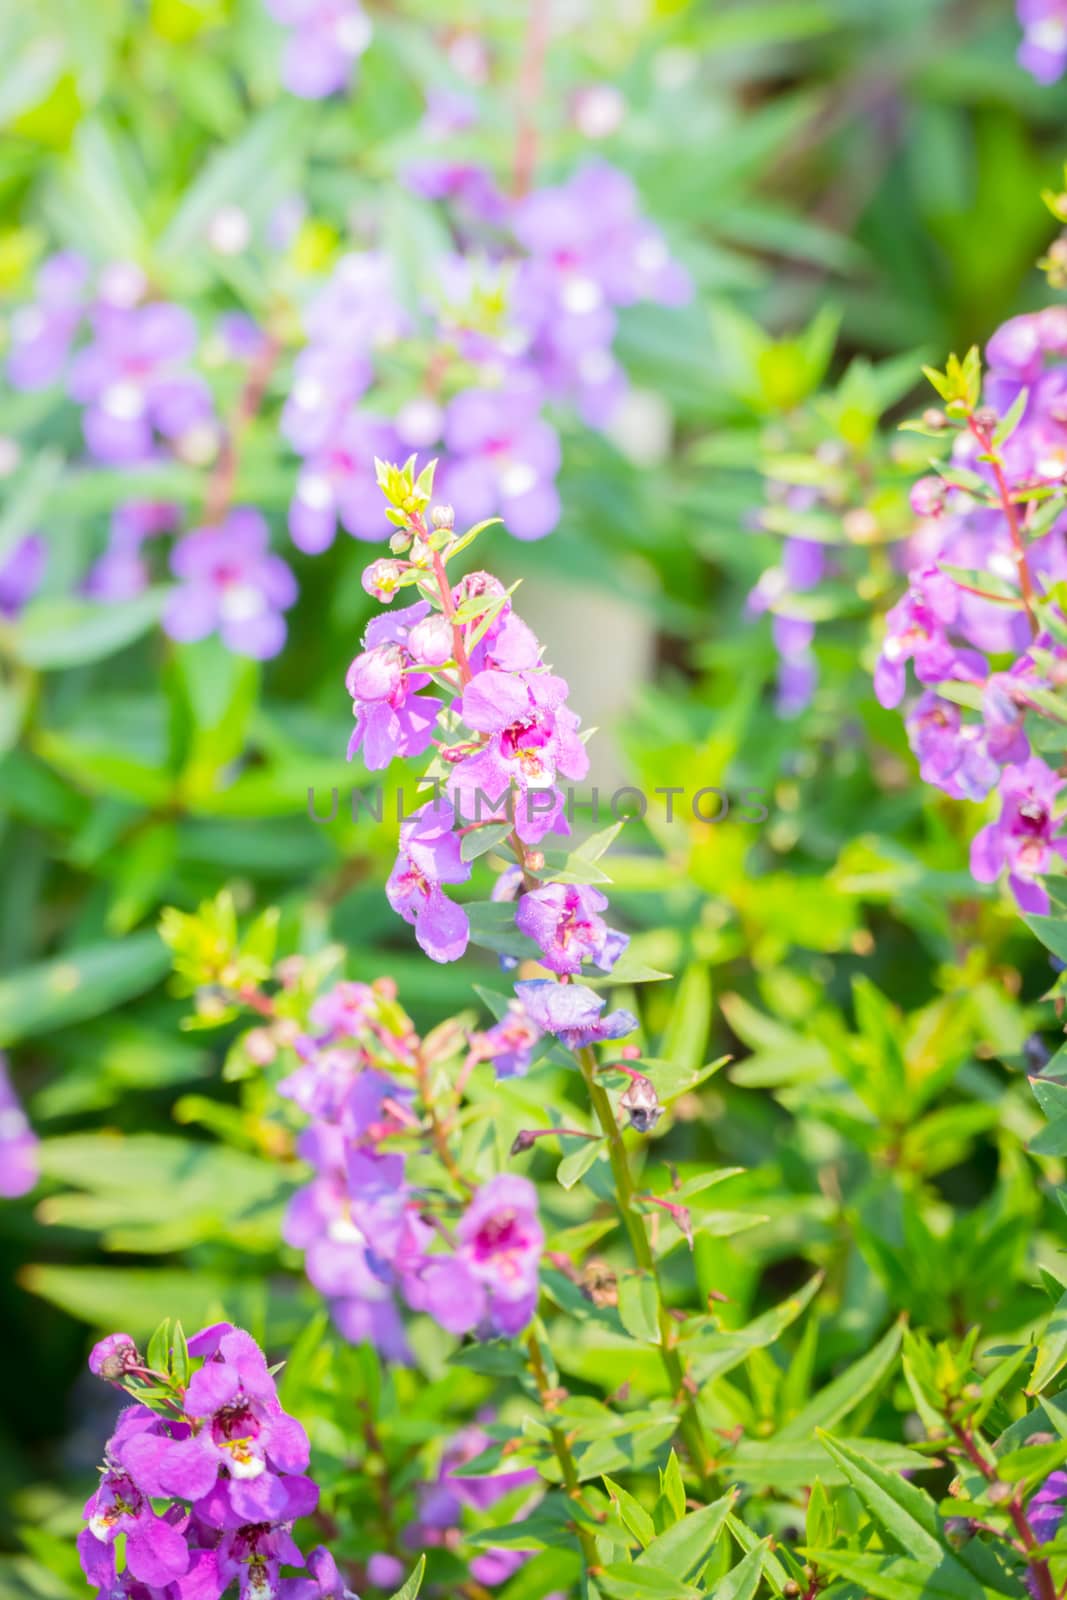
{"x":1043,"y":51}
{"x":128,"y":361}
{"x":18,"y":1142}
{"x":441,"y":1504}
{"x":503,"y":735}
{"x":524,"y":315}
{"x":372,"y":1242}
{"x":977,"y":599}
{"x":124,"y":358}
{"x":205,"y":1490}
{"x":325,"y":39}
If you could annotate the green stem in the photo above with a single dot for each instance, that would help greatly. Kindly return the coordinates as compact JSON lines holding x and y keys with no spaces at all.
{"x":690,"y":1425}
{"x":561,"y":1448}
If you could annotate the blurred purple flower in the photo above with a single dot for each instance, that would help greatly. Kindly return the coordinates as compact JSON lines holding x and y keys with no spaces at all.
{"x":18,"y":1142}
{"x":327,"y":38}
{"x":134,"y":382}
{"x":502,"y":460}
{"x":43,"y":331}
{"x":231,"y":583}
{"x":21,"y":572}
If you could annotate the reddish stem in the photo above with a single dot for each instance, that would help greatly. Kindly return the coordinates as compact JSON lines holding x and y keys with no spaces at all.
{"x":984,"y":437}
{"x":224,"y":476}
{"x":530,"y":91}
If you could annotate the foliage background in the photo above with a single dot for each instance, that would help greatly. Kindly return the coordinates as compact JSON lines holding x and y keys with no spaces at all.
{"x":884,"y":161}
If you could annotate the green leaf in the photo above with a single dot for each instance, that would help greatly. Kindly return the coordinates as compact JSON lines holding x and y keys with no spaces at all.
{"x":632,"y":1513}
{"x":742,"y":1581}
{"x":624,"y":1580}
{"x":846,"y":1391}
{"x":903,"y":1512}
{"x":410,"y":1589}
{"x":74,"y":987}
{"x":639,"y":1307}
{"x":685,"y":1548}
{"x":685,"y":1038}
{"x":69,"y":632}
{"x":672,"y":1488}
{"x":1051,"y":1349}
{"x":897,"y":1578}
{"x":574,"y":1166}
{"x":481,"y":840}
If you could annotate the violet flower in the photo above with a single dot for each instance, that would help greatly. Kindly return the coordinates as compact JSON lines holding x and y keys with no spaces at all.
{"x":134,"y":380}
{"x":1043,"y":51}
{"x":491,"y":1282}
{"x":572,"y":1013}
{"x":327,"y":38}
{"x":18,"y":1142}
{"x":1023,"y":840}
{"x":502,"y":460}
{"x":565,"y":920}
{"x":430,"y":856}
{"x":231,"y":583}
{"x":21,"y":574}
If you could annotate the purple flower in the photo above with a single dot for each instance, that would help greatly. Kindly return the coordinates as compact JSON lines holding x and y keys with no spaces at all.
{"x":42,"y":332}
{"x":156,"y":1551}
{"x":230,"y":583}
{"x":21,"y":572}
{"x":1043,"y":52}
{"x":18,"y":1142}
{"x":392,"y":717}
{"x":122,"y":571}
{"x":565,"y":920}
{"x":327,"y":38}
{"x":953,"y":755}
{"x":509,"y":1044}
{"x":492,"y":1279}
{"x":429,"y":856}
{"x":502,"y":460}
{"x":533,"y":738}
{"x":1023,"y":840}
{"x":1045,"y":1509}
{"x":916,"y":631}
{"x":572,"y":1013}
{"x":134,"y":381}
{"x":337,"y":483}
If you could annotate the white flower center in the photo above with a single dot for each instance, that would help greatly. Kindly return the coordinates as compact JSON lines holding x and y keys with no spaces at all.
{"x":240,"y":602}
{"x":343,"y":1230}
{"x":314,"y":489}
{"x":124,"y":401}
{"x":1049,"y":34}
{"x":308,"y":394}
{"x":419,"y":422}
{"x":581,"y":294}
{"x":352,"y":33}
{"x":516,"y":478}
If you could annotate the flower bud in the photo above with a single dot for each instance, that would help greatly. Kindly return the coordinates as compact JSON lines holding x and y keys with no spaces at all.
{"x":641,"y":1104}
{"x":934,"y":419}
{"x":113,"y":1357}
{"x":430,"y":641}
{"x":927,"y":497}
{"x":382,"y":579}
{"x":443,"y":517}
{"x":260,"y":1047}
{"x":523,"y":1140}
{"x":986,"y":418}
